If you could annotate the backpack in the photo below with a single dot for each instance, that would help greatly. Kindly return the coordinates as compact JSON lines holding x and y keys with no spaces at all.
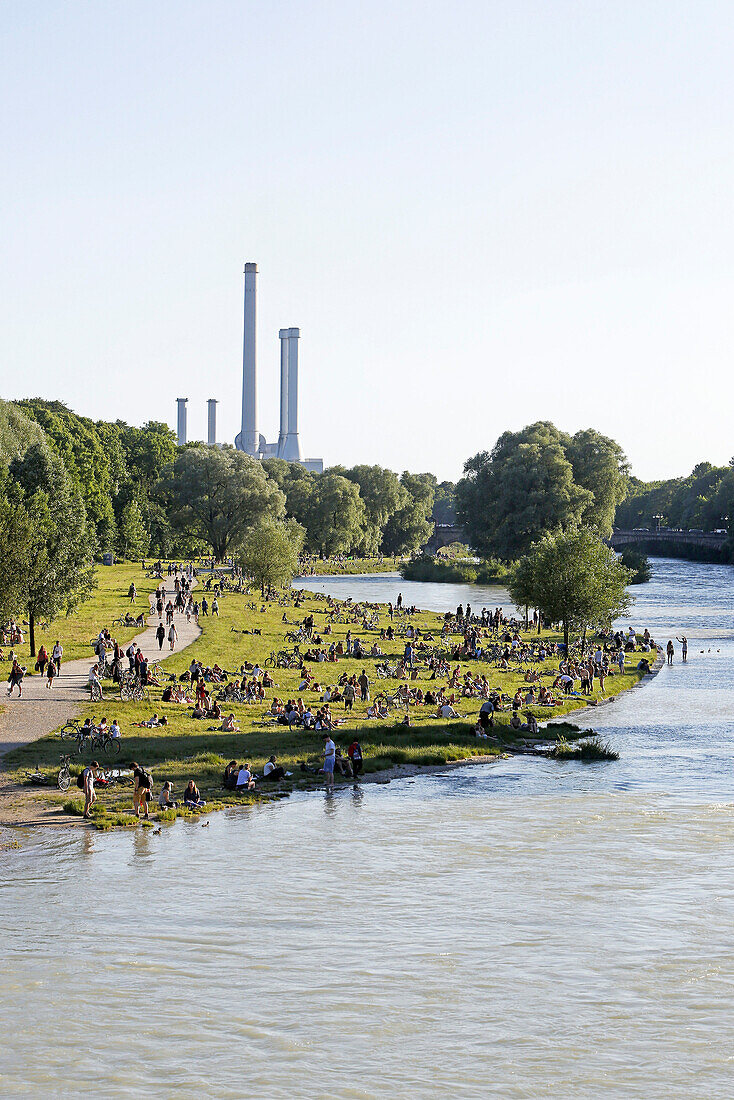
{"x":80,"y":781}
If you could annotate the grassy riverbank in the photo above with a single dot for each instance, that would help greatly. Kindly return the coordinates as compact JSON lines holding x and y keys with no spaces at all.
{"x":188,"y":748}
{"x":336,"y":567}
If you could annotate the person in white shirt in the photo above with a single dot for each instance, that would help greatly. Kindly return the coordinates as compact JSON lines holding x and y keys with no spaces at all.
{"x":244,"y":778}
{"x":329,"y":758}
{"x":115,"y":730}
{"x":447,"y":711}
{"x":56,"y":654}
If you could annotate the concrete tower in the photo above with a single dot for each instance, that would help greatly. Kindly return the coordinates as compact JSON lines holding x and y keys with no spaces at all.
{"x":248,"y":439}
{"x":181,"y":420}
{"x":211,"y":421}
{"x":283,"y":334}
{"x":291,"y":444}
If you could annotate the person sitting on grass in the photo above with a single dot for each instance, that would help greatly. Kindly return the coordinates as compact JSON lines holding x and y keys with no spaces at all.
{"x":230,"y":775}
{"x":164,"y":798}
{"x":273,"y":771}
{"x":229,"y":725}
{"x":447,"y":711}
{"x":245,"y":781}
{"x":192,"y":797}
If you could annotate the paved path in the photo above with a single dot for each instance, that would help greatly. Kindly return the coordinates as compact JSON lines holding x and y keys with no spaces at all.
{"x":39,"y":711}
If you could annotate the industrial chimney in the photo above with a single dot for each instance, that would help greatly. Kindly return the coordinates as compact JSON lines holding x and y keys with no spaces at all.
{"x":181,"y":420}
{"x":248,"y":439}
{"x":211,"y":420}
{"x":291,"y":445}
{"x":283,"y":334}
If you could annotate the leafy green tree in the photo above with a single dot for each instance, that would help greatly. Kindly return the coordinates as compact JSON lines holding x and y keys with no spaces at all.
{"x":600,"y":465}
{"x":134,"y":539}
{"x":17,"y":432}
{"x":333,"y":514}
{"x":444,"y":503}
{"x":521,"y":490}
{"x":46,"y":544}
{"x":218,"y":493}
{"x":270,"y":550}
{"x":572,"y":578}
{"x":406,"y":530}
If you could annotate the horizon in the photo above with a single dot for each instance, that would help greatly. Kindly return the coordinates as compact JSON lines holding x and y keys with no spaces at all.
{"x":478,"y":219}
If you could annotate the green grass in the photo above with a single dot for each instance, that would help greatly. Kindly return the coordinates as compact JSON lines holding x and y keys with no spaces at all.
{"x":108,"y":602}
{"x":187,"y":748}
{"x":351,"y":567}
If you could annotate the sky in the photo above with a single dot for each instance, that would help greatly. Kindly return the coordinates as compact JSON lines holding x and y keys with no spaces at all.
{"x":479,"y":215}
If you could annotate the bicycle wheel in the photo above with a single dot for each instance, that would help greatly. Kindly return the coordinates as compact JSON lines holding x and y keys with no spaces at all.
{"x":112,"y":745}
{"x":95,"y":691}
{"x":64,"y":779}
{"x":71,"y":729}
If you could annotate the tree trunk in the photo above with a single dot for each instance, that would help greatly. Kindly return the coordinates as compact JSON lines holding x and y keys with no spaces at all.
{"x":540,"y":620}
{"x":526,"y":617}
{"x":32,"y":632}
{"x":565,"y":635}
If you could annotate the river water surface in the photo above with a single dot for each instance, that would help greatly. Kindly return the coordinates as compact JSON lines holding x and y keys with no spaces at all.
{"x":520,"y":929}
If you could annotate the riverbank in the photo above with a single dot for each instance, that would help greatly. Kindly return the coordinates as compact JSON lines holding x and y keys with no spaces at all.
{"x":247,"y":632}
{"x":348,"y":567}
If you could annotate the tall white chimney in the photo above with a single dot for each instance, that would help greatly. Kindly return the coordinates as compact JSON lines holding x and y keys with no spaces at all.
{"x":283,"y":334}
{"x":292,"y":446}
{"x":181,"y":420}
{"x":249,"y":439}
{"x":211,"y":421}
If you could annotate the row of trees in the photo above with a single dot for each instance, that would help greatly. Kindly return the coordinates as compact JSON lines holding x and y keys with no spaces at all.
{"x":704,"y":499}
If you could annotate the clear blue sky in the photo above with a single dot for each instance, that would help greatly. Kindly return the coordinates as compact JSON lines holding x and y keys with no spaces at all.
{"x":478,"y":214}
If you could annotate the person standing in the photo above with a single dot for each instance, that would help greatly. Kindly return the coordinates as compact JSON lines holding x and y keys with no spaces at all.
{"x":354,"y":752}
{"x":50,"y":674}
{"x":57,"y":654}
{"x":329,"y":758}
{"x":684,"y":646}
{"x":88,"y":777}
{"x":348,"y":695}
{"x":399,"y":600}
{"x":42,"y":660}
{"x":132,"y":592}
{"x":16,"y":678}
{"x":364,"y":687}
{"x":215,"y":607}
{"x":172,"y":635}
{"x":670,"y":650}
{"x":160,"y":634}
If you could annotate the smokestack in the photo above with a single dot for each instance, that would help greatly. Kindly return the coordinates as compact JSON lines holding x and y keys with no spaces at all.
{"x":181,"y":420}
{"x":292,"y":446}
{"x":283,"y":334}
{"x":211,"y":420}
{"x":249,"y":439}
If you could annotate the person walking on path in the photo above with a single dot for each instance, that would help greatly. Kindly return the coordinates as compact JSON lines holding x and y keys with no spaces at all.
{"x":670,"y":650}
{"x":172,"y":635}
{"x":42,"y":660}
{"x":16,"y":678}
{"x":329,"y":758}
{"x":50,"y":674}
{"x":684,"y":646}
{"x":56,"y":654}
{"x":88,"y":776}
{"x":160,"y":635}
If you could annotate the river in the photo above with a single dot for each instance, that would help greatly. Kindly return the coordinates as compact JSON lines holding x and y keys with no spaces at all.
{"x":521,"y":929}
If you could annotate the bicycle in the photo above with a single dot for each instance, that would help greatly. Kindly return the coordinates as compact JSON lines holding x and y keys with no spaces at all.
{"x":103,"y":741}
{"x":95,"y":691}
{"x":63,"y":779}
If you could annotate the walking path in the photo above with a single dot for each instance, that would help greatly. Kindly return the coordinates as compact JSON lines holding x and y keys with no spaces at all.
{"x":39,"y":711}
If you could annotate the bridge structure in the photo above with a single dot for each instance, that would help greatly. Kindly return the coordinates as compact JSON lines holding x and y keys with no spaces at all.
{"x":443,"y":535}
{"x":699,"y":545}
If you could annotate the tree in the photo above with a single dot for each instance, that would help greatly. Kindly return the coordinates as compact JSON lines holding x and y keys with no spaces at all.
{"x":17,"y":432}
{"x":574,"y":579}
{"x":333,"y":514}
{"x":520,"y":491}
{"x":218,"y":493}
{"x":134,"y":539}
{"x":46,"y":544}
{"x":600,"y":465}
{"x":444,"y":503}
{"x":270,"y":551}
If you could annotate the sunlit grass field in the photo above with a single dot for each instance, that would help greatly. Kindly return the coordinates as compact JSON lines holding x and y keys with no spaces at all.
{"x":189,"y":748}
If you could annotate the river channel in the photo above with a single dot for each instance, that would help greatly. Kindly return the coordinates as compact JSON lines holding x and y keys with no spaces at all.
{"x":520,"y":929}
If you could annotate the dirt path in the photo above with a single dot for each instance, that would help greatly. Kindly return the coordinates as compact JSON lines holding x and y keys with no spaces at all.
{"x":38,"y":710}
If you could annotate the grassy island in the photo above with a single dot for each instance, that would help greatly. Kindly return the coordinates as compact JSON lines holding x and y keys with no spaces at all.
{"x":249,"y":629}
